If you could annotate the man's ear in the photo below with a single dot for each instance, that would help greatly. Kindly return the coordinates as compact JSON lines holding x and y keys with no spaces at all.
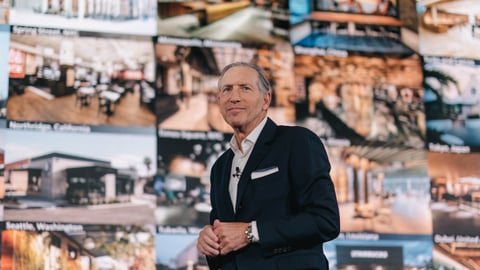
{"x":267,"y":98}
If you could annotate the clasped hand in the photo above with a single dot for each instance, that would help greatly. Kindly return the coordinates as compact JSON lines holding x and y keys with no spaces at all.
{"x":222,"y":238}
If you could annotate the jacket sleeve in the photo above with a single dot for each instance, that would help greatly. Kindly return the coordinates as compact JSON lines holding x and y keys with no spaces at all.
{"x":315,"y":216}
{"x":213,"y":262}
{"x":213,"y":214}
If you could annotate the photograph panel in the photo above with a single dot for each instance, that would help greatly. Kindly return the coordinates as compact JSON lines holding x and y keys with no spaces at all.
{"x":137,"y":17}
{"x":371,"y":251}
{"x":354,"y":25}
{"x":175,"y":248}
{"x":381,"y":189}
{"x":455,"y":188}
{"x":47,"y":245}
{"x":455,"y":208}
{"x":62,"y":81}
{"x":182,"y":185}
{"x":452,"y":104}
{"x":449,"y":28}
{"x":361,"y":98}
{"x":187,"y":74}
{"x":75,"y":177}
{"x":224,"y":20}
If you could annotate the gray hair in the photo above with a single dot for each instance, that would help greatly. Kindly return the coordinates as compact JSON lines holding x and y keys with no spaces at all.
{"x":263,"y":83}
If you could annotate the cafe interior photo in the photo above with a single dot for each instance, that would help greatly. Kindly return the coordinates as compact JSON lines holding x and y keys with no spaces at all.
{"x":353,"y":25}
{"x":59,"y":80}
{"x":226,"y":20}
{"x":187,"y":84}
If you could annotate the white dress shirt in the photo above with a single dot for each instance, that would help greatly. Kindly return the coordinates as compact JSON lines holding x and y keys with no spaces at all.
{"x":241,"y":157}
{"x":238,"y":164}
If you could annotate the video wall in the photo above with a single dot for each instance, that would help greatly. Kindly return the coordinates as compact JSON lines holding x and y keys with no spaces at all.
{"x":109,"y":125}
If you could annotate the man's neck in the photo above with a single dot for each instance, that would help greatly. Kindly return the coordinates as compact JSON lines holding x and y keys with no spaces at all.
{"x":241,"y":133}
{"x":239,"y":137}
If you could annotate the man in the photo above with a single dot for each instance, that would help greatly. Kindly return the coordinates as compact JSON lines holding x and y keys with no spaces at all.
{"x":273,"y":202}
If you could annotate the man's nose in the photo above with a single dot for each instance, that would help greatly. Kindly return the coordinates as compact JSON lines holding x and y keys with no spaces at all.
{"x":235,"y":94}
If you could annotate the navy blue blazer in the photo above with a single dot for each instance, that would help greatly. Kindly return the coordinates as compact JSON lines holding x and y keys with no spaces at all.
{"x":286,"y":187}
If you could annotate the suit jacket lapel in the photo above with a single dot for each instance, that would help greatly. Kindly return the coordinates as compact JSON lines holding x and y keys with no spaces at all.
{"x":224,"y":192}
{"x":260,"y":148}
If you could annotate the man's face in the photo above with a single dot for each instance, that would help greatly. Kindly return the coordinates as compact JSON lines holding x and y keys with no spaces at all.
{"x":241,"y":102}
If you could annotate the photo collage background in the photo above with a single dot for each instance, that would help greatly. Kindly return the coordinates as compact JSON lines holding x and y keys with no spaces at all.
{"x":109,"y":125}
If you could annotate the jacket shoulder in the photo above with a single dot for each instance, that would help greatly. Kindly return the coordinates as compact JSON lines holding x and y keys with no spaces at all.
{"x":296,"y":131}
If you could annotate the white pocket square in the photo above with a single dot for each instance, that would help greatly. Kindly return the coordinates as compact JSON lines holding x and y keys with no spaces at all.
{"x":263,"y":172}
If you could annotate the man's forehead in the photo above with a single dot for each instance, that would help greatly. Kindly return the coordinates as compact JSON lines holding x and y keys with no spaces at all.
{"x":242,"y":69}
{"x":245,"y":76}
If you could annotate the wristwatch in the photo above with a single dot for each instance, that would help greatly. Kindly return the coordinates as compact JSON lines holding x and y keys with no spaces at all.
{"x":249,"y":233}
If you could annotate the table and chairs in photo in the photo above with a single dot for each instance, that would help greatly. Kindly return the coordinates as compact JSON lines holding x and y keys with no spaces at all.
{"x":106,"y":96}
